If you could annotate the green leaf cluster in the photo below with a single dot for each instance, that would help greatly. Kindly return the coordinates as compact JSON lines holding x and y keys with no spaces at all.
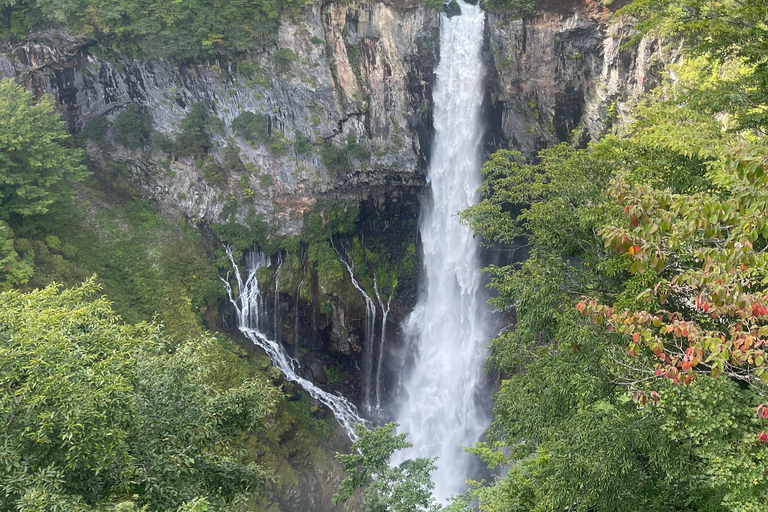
{"x":36,"y":161}
{"x":96,"y":412}
{"x":406,"y":487}
{"x":183,"y":30}
{"x":732,"y":38}
{"x":582,"y":423}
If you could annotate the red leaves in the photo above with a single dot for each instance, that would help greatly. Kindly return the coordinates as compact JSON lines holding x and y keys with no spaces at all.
{"x":762,"y":411}
{"x":762,"y":437}
{"x":641,"y":396}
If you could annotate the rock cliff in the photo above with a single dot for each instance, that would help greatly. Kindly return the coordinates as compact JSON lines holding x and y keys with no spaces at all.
{"x":346,"y":90}
{"x":338,"y":75}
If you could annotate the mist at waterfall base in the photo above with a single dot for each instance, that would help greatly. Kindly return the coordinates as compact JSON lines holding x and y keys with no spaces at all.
{"x":440,"y":406}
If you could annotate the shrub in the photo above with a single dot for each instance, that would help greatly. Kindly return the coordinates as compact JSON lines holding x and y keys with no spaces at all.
{"x":96,"y":128}
{"x":283,"y":58}
{"x":133,"y":126}
{"x":195,"y":139}
{"x":334,"y":159}
{"x":302,"y":144}
{"x":252,"y":127}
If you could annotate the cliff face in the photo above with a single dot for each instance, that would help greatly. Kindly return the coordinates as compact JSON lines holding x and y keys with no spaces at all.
{"x":356,"y":73}
{"x":359,"y":73}
{"x":347,"y":93}
{"x":566,"y":76}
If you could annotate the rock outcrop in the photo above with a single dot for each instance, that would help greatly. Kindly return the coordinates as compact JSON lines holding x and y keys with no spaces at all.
{"x":356,"y":73}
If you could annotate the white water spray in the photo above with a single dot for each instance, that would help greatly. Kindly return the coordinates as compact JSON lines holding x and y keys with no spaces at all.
{"x":448,"y":329}
{"x":251,"y":316}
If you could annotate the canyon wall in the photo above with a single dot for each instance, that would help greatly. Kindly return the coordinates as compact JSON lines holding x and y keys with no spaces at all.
{"x":347,"y":90}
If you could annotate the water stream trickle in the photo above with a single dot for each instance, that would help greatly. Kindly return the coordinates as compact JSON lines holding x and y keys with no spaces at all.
{"x":252,"y":319}
{"x":448,"y":330}
{"x":384,"y":314}
{"x":368,"y":333}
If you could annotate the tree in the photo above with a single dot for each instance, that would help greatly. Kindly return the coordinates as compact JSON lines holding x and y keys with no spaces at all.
{"x":589,"y":424}
{"x":35,"y":161}
{"x":709,"y":306}
{"x":403,"y":488}
{"x":95,"y":412}
{"x":732,"y":38}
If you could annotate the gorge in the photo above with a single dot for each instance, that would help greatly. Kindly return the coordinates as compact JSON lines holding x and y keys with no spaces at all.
{"x":329,"y":212}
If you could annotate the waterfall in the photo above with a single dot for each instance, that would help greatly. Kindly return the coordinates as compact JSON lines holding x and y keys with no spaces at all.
{"x":448,"y":329}
{"x":370,"y":327}
{"x":252,"y":317}
{"x":296,"y":308}
{"x":384,"y":315}
{"x":276,"y":326}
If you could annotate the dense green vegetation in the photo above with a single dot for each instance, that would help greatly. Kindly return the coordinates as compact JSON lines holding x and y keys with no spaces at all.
{"x":626,"y":412}
{"x":147,"y":397}
{"x":35,"y":164}
{"x":96,"y":412}
{"x":180,"y":30}
{"x":633,"y":378}
{"x":634,"y":374}
{"x":402,"y":488}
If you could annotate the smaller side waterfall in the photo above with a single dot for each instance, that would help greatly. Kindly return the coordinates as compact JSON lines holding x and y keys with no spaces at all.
{"x":384,"y":314}
{"x":296,"y":308}
{"x":251,"y":317}
{"x":370,"y":327}
{"x":276,"y":326}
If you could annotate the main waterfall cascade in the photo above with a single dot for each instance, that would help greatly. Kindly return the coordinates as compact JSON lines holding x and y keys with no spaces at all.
{"x":448,"y":330}
{"x":252,"y":319}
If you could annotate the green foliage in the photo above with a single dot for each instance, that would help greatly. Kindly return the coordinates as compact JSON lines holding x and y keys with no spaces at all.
{"x":733,"y":38}
{"x":213,"y":172}
{"x":327,"y":219}
{"x":403,"y":488}
{"x":588,"y":422}
{"x":283,"y":59}
{"x":243,"y":238}
{"x":302,"y":144}
{"x":355,"y":149}
{"x":14,"y":271}
{"x":195,"y":138}
{"x":278,"y":145}
{"x":148,"y":265}
{"x":36,"y":164}
{"x":95,"y":411}
{"x":334,"y":159}
{"x":181,"y":30}
{"x":702,"y":246}
{"x":96,"y":129}
{"x":516,"y":9}
{"x":252,"y":127}
{"x":232,"y":159}
{"x":133,"y":126}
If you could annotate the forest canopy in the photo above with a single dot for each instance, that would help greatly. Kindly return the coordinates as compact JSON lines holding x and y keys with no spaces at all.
{"x":185,"y":30}
{"x":97,"y":413}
